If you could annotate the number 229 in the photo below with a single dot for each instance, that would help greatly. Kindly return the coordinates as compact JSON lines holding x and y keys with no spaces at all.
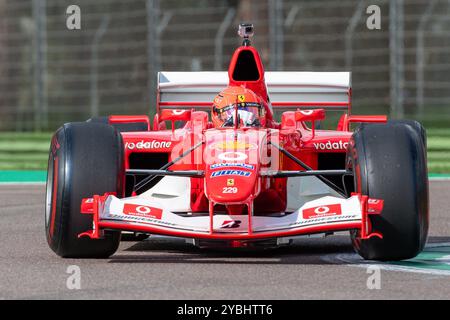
{"x":230,"y":190}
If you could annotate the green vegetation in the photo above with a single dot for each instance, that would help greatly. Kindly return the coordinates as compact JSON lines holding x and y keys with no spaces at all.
{"x":24,"y":151}
{"x":29,"y":151}
{"x":439,"y":150}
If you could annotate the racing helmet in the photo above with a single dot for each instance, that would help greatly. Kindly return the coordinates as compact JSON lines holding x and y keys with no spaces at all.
{"x":250,"y":108}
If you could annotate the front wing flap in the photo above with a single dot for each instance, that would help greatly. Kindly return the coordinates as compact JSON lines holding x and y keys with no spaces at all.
{"x":326,"y":214}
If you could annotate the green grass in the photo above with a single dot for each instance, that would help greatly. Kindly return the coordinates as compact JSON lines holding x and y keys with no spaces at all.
{"x":29,"y":151}
{"x":25,"y":136}
{"x":24,"y":151}
{"x":25,"y":146}
{"x":438,"y":150}
{"x":438,"y":144}
{"x":438,"y":132}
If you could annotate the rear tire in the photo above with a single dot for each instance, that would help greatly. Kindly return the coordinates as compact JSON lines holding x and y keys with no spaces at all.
{"x":85,"y":159}
{"x":389,"y":163}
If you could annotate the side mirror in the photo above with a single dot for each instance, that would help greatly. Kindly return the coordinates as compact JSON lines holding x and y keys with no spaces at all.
{"x":175,"y":115}
{"x":310,"y":115}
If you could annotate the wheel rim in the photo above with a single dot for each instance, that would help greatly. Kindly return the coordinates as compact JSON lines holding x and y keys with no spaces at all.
{"x":48,"y":194}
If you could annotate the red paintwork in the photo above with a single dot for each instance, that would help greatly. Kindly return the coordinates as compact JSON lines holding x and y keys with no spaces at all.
{"x":93,"y":206}
{"x":254,"y":193}
{"x":96,"y":201}
{"x":175,"y":115}
{"x":310,"y":115}
{"x":221,"y":144}
{"x":346,"y":119}
{"x":369,"y":207}
{"x":126,"y":119}
{"x":257,"y":86}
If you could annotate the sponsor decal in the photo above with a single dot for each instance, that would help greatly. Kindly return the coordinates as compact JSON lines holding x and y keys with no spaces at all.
{"x":230,"y":182}
{"x":337,"y":145}
{"x":234,"y":165}
{"x":375,"y":206}
{"x":230,"y":224}
{"x":322,"y":211}
{"x":142,"y":211}
{"x":236,"y":145}
{"x":142,"y":220}
{"x":154,"y":144}
{"x":221,"y":173}
{"x":232,"y":156}
{"x":337,"y":219}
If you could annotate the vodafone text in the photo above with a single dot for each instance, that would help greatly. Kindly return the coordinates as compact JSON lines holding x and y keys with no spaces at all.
{"x":154,"y":144}
{"x":336,"y":145}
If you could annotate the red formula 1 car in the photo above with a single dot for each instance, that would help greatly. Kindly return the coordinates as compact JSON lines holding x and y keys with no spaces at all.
{"x":217,"y":168}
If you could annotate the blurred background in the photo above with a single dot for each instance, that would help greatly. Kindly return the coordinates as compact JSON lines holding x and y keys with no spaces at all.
{"x":50,"y":74}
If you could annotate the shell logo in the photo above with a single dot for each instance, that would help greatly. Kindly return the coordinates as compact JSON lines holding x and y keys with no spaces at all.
{"x":232,"y":156}
{"x":234,"y":145}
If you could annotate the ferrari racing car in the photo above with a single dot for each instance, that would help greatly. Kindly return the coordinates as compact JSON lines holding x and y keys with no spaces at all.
{"x":221,"y":163}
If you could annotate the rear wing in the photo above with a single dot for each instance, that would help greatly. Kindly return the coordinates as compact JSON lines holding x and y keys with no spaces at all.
{"x":287,"y":90}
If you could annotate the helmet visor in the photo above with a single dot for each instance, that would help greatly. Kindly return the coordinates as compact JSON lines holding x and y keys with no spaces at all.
{"x":248,"y":115}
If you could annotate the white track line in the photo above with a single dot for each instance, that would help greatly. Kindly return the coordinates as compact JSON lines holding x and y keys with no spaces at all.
{"x":389,"y":267}
{"x":353,"y":260}
{"x":22,"y":183}
{"x":439,"y":178}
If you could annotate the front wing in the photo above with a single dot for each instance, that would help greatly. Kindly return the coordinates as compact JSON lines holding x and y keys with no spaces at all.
{"x":326,"y":214}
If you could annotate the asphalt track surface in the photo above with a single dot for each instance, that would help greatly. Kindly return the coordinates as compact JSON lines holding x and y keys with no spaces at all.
{"x":162,"y":268}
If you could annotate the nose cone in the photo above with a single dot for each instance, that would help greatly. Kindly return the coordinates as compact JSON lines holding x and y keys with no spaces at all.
{"x":231,"y":182}
{"x":232,"y":167}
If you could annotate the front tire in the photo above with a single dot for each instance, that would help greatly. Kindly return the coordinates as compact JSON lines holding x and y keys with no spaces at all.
{"x":389,"y":163}
{"x":125,"y":127}
{"x":85,"y":159}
